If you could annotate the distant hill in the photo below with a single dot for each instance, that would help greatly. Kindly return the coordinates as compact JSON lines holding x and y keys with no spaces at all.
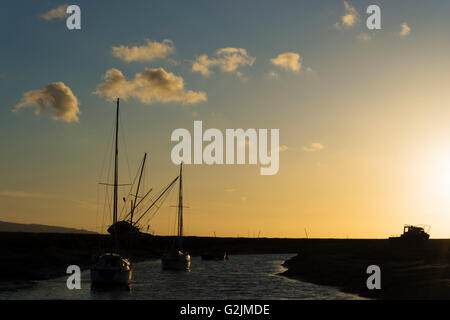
{"x":38,"y":228}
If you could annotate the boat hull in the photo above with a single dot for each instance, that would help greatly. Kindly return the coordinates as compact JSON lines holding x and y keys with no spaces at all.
{"x":177,"y":261}
{"x":111,"y":269}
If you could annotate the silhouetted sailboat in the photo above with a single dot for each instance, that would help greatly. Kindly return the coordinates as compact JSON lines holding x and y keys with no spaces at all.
{"x":126,"y":226}
{"x":176,"y":258}
{"x":110,"y":268}
{"x":129,"y":226}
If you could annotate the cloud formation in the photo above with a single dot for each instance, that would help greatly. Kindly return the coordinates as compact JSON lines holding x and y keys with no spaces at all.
{"x":315,"y":146}
{"x":149,"y":52}
{"x":152,"y":85}
{"x":56,"y":99}
{"x":364,"y":36}
{"x":25,"y":195}
{"x":289,"y":61}
{"x":227,"y":59}
{"x":55,"y":13}
{"x":406,"y":30}
{"x":273,"y":75}
{"x":350,"y":17}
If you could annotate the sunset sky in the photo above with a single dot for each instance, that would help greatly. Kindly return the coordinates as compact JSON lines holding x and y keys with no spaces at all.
{"x":364,"y":116}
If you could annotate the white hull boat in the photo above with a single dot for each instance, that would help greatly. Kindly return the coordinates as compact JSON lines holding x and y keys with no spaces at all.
{"x":110,"y":268}
{"x":175,"y":258}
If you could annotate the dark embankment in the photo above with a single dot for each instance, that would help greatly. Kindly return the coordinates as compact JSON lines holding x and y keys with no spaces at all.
{"x":25,"y":257}
{"x":407,"y":271}
{"x":37,"y":228}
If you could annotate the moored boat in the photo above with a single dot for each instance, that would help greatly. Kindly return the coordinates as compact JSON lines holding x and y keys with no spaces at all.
{"x":110,"y":268}
{"x":215,"y":256}
{"x":176,"y":258}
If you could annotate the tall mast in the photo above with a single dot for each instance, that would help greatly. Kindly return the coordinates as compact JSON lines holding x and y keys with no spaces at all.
{"x":116,"y":167}
{"x":180,"y":207}
{"x":137,"y":189}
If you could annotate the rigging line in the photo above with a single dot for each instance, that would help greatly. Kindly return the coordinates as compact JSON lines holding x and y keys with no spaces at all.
{"x":175,"y":226}
{"x":108,"y":173}
{"x":125,"y":147}
{"x":127,"y":197}
{"x":108,"y":151}
{"x":97,"y":208}
{"x":136,"y":195}
{"x":124,"y":207}
{"x":169,"y":229}
{"x":106,"y":214}
{"x":162,"y":200}
{"x":137,"y":205}
{"x":147,"y":201}
{"x":106,"y":208}
{"x":155,"y":212}
{"x":107,"y":200}
{"x":158,"y":208}
{"x":144,"y":175}
{"x":122,"y":133}
{"x":100,"y":176}
{"x":165,"y":190}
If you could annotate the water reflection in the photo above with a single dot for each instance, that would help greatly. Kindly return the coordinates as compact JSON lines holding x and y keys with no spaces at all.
{"x":241,"y":277}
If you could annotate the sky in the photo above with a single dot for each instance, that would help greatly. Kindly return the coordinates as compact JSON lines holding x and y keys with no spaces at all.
{"x":362,"y":114}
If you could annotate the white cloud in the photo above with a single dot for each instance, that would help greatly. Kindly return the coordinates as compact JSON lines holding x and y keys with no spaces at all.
{"x":62,"y":102}
{"x":273,"y":75}
{"x":151,"y":51}
{"x":56,"y":13}
{"x":289,"y":61}
{"x":364,"y":36}
{"x":315,"y":146}
{"x":152,"y":85}
{"x":349,"y":18}
{"x":227,"y":59}
{"x":283,"y":148}
{"x":406,"y":30}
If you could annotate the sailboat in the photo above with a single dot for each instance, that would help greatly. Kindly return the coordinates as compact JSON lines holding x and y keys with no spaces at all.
{"x":111,"y":268}
{"x":176,"y":258}
{"x":129,"y":226}
{"x":126,"y":227}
